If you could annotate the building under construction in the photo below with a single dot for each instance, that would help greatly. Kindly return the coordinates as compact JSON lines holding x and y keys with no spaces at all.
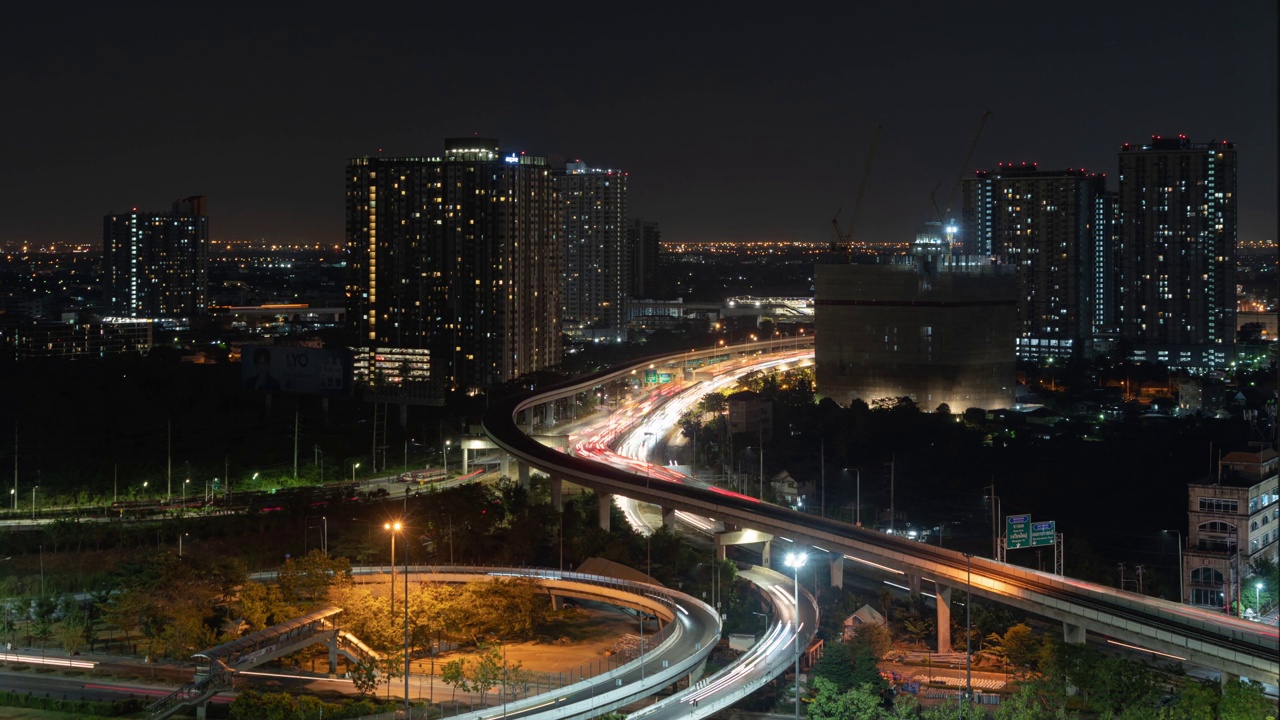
{"x":939,"y":329}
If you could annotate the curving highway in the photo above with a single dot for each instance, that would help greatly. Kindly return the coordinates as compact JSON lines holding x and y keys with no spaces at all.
{"x":1233,"y":646}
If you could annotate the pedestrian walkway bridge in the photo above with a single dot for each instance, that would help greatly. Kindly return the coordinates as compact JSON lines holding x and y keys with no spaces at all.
{"x":216,"y":666}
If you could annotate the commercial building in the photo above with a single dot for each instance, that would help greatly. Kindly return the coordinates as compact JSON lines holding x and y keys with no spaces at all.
{"x":1177,"y":292}
{"x":1231,"y":523}
{"x":597,"y":259}
{"x":938,"y":329}
{"x":76,"y":338}
{"x":1053,"y":227}
{"x":645,"y":239}
{"x":454,"y":270}
{"x":156,"y":265}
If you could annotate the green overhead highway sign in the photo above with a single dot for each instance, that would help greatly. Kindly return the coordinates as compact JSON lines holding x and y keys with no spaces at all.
{"x":1043,"y":533}
{"x":1017,"y":531}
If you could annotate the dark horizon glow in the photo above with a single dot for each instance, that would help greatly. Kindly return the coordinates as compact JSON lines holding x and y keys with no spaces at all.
{"x":731,"y":126}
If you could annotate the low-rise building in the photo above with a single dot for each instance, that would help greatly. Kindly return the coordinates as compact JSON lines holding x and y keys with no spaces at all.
{"x":1231,"y":522}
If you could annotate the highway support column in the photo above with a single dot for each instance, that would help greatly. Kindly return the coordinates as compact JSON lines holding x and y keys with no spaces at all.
{"x":669,"y":519}
{"x":557,"y":488}
{"x":943,"y":603}
{"x":604,"y":506}
{"x":1072,"y":635}
{"x":837,"y":570}
{"x":522,"y":468}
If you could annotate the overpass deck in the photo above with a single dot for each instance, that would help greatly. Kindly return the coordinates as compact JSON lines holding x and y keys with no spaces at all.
{"x":1233,"y":646}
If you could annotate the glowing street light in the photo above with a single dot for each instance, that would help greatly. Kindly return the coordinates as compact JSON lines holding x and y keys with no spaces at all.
{"x":393,"y":528}
{"x":795,"y":561}
{"x":353,"y":471}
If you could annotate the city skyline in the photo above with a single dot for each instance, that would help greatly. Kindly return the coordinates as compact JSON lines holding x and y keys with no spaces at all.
{"x":730,"y":128}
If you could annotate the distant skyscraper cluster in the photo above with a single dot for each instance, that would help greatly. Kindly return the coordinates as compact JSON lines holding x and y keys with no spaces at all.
{"x":156,"y":264}
{"x":463,"y":269}
{"x":1151,"y":266}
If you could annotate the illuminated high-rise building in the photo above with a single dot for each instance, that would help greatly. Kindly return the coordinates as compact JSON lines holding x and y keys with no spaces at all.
{"x":597,"y":259}
{"x":1050,"y":226}
{"x":156,"y":265}
{"x":1177,"y":292}
{"x":454,"y":269}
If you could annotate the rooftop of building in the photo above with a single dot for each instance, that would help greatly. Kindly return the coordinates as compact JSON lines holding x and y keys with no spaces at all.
{"x":1180,"y":142}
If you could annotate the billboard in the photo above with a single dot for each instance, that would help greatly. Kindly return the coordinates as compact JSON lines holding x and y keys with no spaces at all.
{"x":301,"y":370}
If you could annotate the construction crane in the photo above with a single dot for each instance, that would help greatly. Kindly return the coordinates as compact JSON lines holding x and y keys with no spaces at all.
{"x":846,"y":238}
{"x":944,"y":216}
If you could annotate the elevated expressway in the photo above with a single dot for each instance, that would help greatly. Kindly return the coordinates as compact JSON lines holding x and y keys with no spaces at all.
{"x":1233,"y":646}
{"x":690,"y":631}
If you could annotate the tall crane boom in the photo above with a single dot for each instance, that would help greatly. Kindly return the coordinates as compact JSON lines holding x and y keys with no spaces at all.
{"x":846,"y":238}
{"x":955,"y":188}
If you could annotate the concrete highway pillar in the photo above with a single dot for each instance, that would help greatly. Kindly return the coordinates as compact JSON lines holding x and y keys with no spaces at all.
{"x":944,"y":618}
{"x":720,"y":548}
{"x":696,"y":673}
{"x":1073,"y":634}
{"x":913,"y":582}
{"x":523,"y":469}
{"x":765,"y":552}
{"x":556,"y":489}
{"x":465,"y":459}
{"x":604,"y":506}
{"x":505,"y":461}
{"x":1225,"y":677}
{"x":669,"y":519}
{"x":837,"y":570}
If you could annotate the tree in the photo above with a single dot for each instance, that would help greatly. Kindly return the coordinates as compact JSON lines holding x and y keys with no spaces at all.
{"x":866,"y":670}
{"x":876,"y":637}
{"x":309,"y":578}
{"x":830,"y":703}
{"x":1025,"y":705}
{"x":1196,"y":701}
{"x":1245,"y":699}
{"x":835,"y":666}
{"x":364,"y":675}
{"x":1020,"y":645}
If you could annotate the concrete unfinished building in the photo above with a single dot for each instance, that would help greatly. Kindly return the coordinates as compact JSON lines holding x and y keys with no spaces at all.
{"x":939,"y":330}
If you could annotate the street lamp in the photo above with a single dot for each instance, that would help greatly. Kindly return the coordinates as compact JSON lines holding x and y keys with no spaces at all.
{"x":1181,"y":571}
{"x":795,"y":561}
{"x":353,"y":471}
{"x":33,"y":501}
{"x":447,"y":443}
{"x":393,"y":528}
{"x":1257,"y":598}
{"x":968,"y":633}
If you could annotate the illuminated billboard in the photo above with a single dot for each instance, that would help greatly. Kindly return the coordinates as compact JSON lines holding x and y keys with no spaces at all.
{"x":299,"y":370}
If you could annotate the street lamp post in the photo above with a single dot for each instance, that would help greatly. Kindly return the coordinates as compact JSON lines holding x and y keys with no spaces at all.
{"x":968,"y":633}
{"x":353,"y":471}
{"x":33,"y":501}
{"x":393,"y":528}
{"x":1181,"y":597}
{"x":858,"y":501}
{"x":645,"y":445}
{"x":1257,"y":598}
{"x":447,"y":443}
{"x":795,"y":561}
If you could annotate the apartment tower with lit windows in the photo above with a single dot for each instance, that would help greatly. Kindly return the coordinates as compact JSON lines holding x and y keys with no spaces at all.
{"x":1177,"y":292}
{"x":156,"y":264}
{"x":454,"y":270}
{"x":597,"y":257}
{"x":1052,"y":226}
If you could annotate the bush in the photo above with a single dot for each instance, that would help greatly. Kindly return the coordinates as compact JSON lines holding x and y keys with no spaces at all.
{"x":77,"y":707}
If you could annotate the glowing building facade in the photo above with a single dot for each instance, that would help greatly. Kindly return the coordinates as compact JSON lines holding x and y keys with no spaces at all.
{"x":454,"y":269}
{"x":156,"y":265}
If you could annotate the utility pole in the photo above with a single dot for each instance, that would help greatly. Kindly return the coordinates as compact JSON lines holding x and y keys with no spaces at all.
{"x":1140,"y":569}
{"x":15,"y":467}
{"x":893,"y":511}
{"x":295,"y":445}
{"x":822,"y":469}
{"x":1121,"y":575}
{"x":168,"y":435}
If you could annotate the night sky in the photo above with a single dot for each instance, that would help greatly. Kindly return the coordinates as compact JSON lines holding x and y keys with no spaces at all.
{"x":735,"y":123}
